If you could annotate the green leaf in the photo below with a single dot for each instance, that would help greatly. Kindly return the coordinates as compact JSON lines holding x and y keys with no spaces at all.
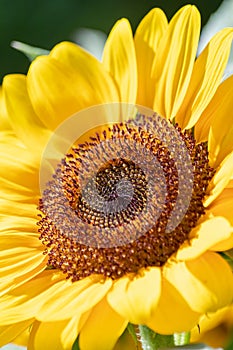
{"x":31,"y":52}
{"x":131,"y":330}
{"x":228,"y":256}
{"x":199,"y":346}
{"x":230,"y":344}
{"x":75,"y":345}
{"x":229,"y":253}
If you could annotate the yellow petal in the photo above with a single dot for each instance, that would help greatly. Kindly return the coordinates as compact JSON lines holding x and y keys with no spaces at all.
{"x":66,"y":81}
{"x":135,"y":298}
{"x":203,"y":237}
{"x":54,"y":335}
{"x":205,"y":79}
{"x":17,"y":224}
{"x":66,"y":298}
{"x":22,"y":338}
{"x":10,"y":283}
{"x":220,"y":180}
{"x":19,"y":242}
{"x":24,"y":301}
{"x":174,"y":62}
{"x":206,"y":283}
{"x":9,"y":333}
{"x":24,"y":121}
{"x":230,"y":183}
{"x":223,"y":245}
{"x":16,"y":262}
{"x":20,"y":209}
{"x":9,"y":137}
{"x":125,"y":342}
{"x":19,"y":253}
{"x":102,"y":329}
{"x":4,"y":122}
{"x":147,"y":38}
{"x":172,"y":314}
{"x":223,"y":206}
{"x":98,"y":86}
{"x":119,"y":60}
{"x":220,"y":141}
{"x":209,"y":322}
{"x":18,"y":171}
{"x":217,"y":118}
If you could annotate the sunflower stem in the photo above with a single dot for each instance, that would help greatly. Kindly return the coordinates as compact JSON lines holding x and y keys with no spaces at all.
{"x":181,"y":339}
{"x":153,"y":341}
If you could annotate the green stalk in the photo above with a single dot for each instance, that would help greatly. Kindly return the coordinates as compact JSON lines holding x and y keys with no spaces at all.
{"x":181,"y":338}
{"x":154,"y":341}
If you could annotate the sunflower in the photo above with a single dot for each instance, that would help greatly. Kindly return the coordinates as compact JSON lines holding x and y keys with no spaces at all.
{"x":59,"y":277}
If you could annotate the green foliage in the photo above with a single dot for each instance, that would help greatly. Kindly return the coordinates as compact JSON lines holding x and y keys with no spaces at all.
{"x":76,"y":346}
{"x":44,"y":23}
{"x":153,"y":341}
{"x":31,"y":52}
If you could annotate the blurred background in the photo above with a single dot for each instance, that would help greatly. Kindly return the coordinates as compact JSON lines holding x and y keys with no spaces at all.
{"x":44,"y":23}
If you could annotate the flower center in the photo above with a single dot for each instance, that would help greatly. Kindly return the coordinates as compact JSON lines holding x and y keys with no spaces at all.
{"x":121,"y":194}
{"x":108,"y":207}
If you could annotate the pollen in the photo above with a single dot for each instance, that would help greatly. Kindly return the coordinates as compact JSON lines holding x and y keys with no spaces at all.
{"x":107,"y":209}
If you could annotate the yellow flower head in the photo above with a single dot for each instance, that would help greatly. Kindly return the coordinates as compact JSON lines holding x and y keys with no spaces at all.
{"x":129,"y":227}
